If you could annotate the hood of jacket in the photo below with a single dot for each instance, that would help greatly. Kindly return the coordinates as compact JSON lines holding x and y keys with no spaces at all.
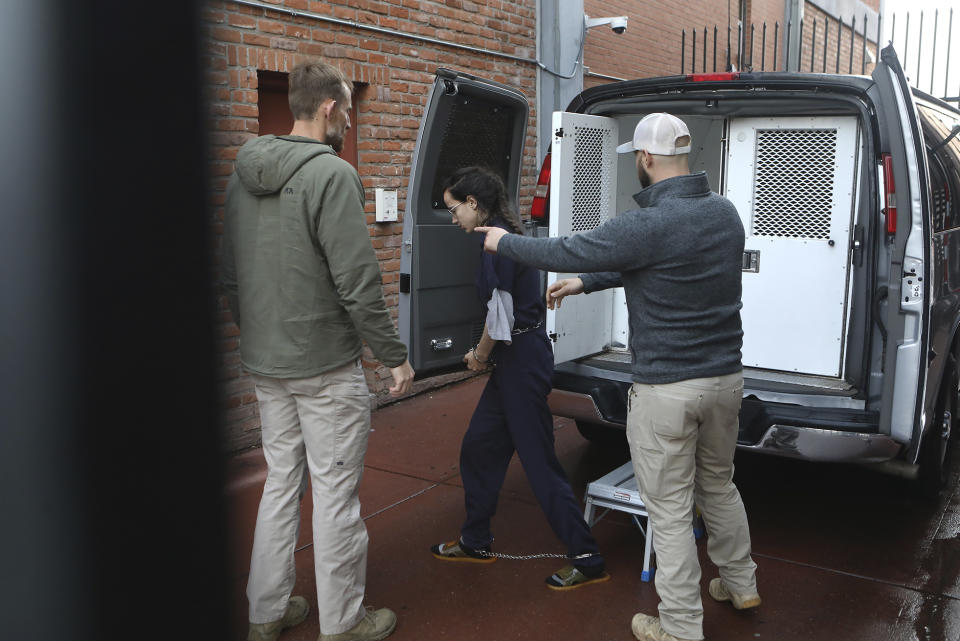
{"x":265,"y":164}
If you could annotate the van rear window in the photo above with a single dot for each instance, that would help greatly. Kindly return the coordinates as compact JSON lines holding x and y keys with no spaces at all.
{"x":477,"y":132}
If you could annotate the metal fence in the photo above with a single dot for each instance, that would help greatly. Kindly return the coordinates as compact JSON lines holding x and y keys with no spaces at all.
{"x":820,"y":51}
{"x":929,"y":55}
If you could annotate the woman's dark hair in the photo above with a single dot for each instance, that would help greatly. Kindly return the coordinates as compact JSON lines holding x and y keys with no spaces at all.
{"x":489,"y":191}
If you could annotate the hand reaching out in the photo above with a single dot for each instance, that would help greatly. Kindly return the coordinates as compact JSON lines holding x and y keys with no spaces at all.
{"x":492,"y":239}
{"x":562,"y":288}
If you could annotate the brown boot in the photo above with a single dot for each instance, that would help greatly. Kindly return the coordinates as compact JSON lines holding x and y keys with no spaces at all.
{"x":375,"y":625}
{"x":647,"y":628}
{"x":718,"y":590}
{"x":297,"y":609}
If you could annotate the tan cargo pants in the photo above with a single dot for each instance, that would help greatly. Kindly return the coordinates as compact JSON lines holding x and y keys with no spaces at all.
{"x":320,"y":423}
{"x":682,"y":438}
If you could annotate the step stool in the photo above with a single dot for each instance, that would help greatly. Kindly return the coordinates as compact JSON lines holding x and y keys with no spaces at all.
{"x":618,"y":491}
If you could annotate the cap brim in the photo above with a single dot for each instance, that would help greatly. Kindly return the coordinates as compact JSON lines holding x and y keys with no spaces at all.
{"x":625,"y":148}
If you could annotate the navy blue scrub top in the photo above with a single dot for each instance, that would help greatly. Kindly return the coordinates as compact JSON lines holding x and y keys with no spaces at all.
{"x":522,"y":281}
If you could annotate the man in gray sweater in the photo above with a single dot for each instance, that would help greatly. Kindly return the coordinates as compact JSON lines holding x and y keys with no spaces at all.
{"x":678,"y":258}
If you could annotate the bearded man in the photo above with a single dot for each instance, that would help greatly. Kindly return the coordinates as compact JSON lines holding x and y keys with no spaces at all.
{"x":304,"y":287}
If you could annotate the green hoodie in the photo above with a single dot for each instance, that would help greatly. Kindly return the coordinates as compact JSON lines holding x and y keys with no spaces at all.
{"x":301,"y":278}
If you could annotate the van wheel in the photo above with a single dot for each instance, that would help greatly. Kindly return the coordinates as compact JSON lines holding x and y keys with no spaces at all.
{"x":602,"y":435}
{"x":935,"y":448}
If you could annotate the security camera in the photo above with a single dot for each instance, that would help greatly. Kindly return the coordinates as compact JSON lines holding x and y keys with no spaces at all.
{"x":617,"y":23}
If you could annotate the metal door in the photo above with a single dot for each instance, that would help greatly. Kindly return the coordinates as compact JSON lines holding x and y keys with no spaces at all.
{"x":583,"y":188}
{"x":792,"y":180}
{"x":906,"y":396}
{"x":467,"y":121}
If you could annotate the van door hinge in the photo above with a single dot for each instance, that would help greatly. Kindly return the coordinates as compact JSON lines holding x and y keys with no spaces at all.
{"x":558,"y":133}
{"x":553,"y":336}
{"x":404,"y":283}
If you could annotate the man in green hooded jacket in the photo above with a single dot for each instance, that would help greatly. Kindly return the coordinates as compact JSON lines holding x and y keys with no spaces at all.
{"x":303,"y":284}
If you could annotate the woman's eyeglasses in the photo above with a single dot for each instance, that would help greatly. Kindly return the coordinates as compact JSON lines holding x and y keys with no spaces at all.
{"x":453,"y":210}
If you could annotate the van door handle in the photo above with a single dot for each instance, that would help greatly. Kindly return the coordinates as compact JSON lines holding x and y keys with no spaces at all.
{"x":858,"y":245}
{"x":751,"y":260}
{"x":441,"y":344}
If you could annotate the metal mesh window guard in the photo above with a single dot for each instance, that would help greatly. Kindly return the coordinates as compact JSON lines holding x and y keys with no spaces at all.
{"x":793,"y":190}
{"x":591,"y":179}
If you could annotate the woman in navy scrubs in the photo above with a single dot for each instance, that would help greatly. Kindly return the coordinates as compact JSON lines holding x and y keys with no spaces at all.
{"x":512,"y":414}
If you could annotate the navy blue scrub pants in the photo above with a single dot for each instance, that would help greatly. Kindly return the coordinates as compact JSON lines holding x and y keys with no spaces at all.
{"x":513,"y":415}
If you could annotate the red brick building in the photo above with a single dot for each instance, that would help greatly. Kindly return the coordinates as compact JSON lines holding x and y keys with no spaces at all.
{"x":391,"y":50}
{"x":651,"y":45}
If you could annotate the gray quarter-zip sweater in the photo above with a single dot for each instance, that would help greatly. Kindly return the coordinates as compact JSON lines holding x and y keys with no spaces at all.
{"x":678,"y":257}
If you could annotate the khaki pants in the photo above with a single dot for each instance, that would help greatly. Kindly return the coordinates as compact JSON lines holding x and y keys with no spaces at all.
{"x":320,"y":423}
{"x":682,"y":438}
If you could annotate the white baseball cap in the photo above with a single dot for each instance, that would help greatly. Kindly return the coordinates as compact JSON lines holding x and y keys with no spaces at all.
{"x":657,"y":134}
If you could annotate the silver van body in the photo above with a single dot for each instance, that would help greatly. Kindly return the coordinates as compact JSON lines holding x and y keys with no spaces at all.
{"x":849,"y":189}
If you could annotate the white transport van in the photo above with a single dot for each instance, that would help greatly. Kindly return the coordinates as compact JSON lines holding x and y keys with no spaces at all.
{"x":849,"y":191}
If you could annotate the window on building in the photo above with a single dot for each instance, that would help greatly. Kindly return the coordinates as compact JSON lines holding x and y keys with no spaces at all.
{"x":275,"y":116}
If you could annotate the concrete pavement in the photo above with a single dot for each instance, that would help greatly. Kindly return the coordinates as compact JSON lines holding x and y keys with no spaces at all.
{"x":843,"y":552}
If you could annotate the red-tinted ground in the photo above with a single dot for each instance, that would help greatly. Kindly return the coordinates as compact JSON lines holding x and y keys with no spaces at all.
{"x":843,"y":553}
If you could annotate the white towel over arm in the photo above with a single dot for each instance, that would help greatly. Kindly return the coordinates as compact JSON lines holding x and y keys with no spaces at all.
{"x":500,"y":316}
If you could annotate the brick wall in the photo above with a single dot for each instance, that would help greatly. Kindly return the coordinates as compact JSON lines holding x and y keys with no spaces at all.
{"x":813,"y":14}
{"x":651,"y":46}
{"x":398,"y":72}
{"x":763,"y":54}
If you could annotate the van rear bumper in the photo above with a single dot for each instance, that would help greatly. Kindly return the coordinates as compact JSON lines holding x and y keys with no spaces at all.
{"x":581,"y":407}
{"x":813,"y":434}
{"x":818,"y":444}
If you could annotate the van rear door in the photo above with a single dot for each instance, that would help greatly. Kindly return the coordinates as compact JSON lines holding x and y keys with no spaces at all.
{"x":793,"y":181}
{"x":467,"y":121}
{"x":583,"y":188}
{"x":908,"y":300}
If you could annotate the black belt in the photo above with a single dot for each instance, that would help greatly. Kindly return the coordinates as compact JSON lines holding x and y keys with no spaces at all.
{"x":524,"y":330}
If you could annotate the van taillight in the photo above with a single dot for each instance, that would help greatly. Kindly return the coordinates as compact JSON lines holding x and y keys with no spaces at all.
{"x":890,"y":194}
{"x":541,"y":198}
{"x":707,"y":77}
